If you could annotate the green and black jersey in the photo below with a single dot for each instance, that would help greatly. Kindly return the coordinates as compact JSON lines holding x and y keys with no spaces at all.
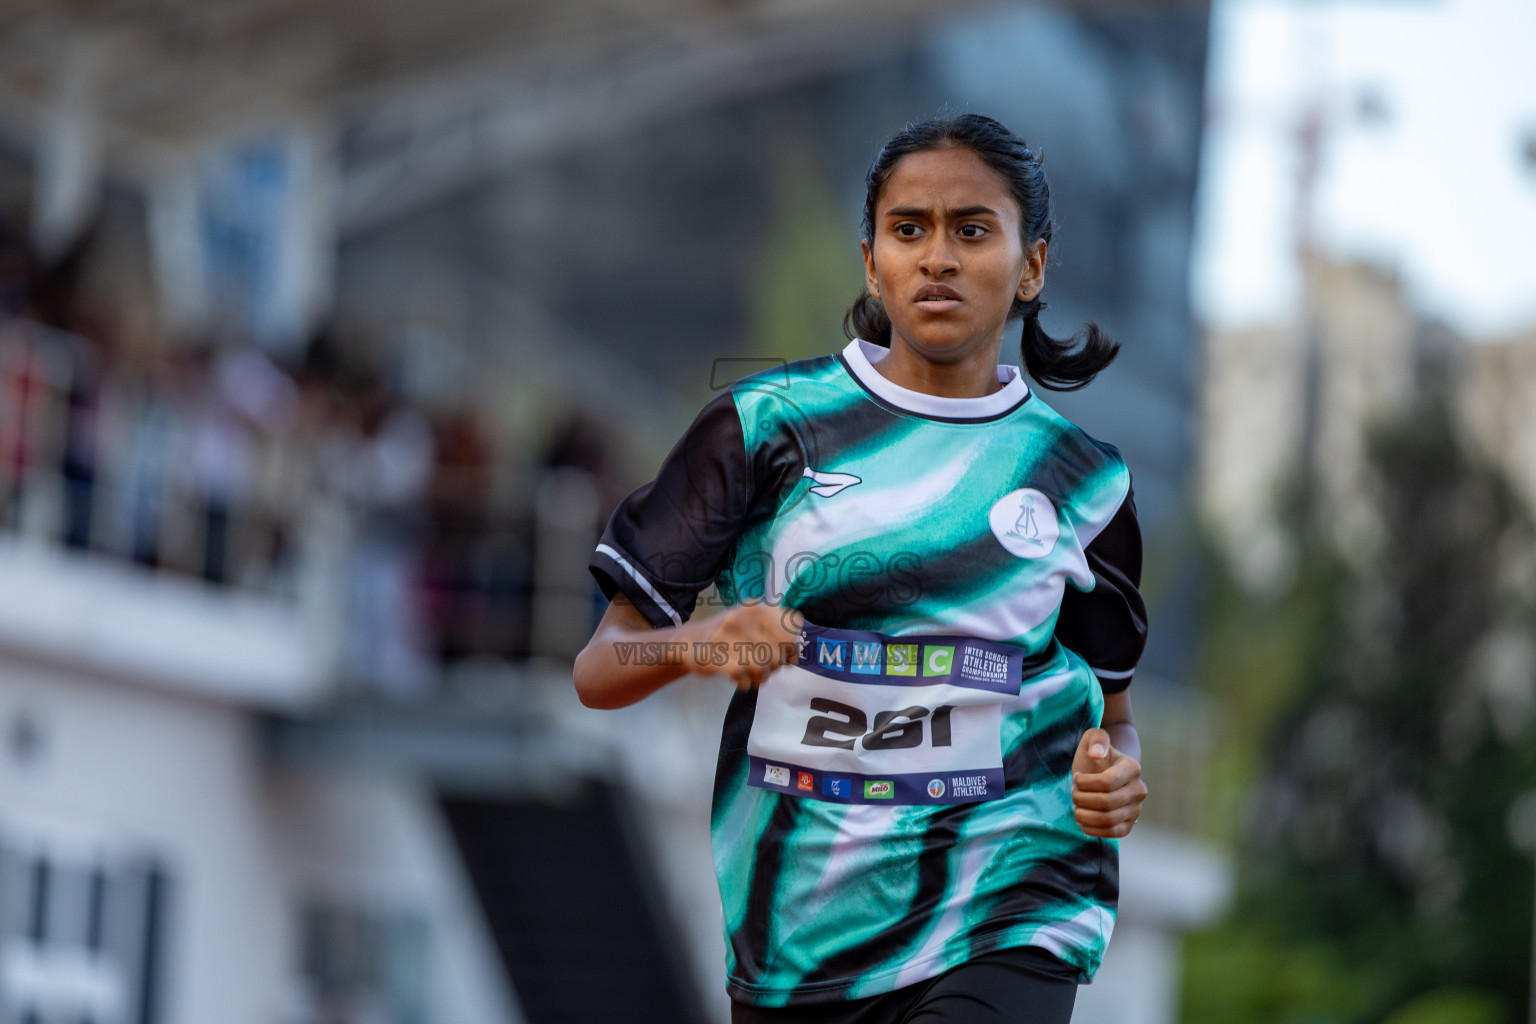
{"x":984,"y":547}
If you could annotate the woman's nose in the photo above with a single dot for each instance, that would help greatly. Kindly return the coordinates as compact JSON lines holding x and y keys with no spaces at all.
{"x":939,"y":255}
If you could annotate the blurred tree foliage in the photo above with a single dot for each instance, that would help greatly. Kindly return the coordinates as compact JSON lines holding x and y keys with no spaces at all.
{"x":1382,"y":723}
{"x":810,"y":270}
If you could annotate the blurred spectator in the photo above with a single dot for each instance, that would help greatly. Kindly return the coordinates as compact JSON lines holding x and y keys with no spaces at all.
{"x":385,"y":469}
{"x":460,"y":491}
{"x":15,"y":295}
{"x":81,"y":438}
{"x":56,"y":302}
{"x":248,"y":402}
{"x":23,"y":388}
{"x":214,"y":460}
{"x":586,"y":441}
{"x":576,"y":492}
{"x":145,"y":429}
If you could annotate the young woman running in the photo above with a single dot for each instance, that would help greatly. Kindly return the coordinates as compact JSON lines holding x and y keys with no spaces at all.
{"x":932,"y":618}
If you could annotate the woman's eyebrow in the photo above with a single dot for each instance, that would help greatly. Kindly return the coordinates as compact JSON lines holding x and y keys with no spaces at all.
{"x":964,"y":211}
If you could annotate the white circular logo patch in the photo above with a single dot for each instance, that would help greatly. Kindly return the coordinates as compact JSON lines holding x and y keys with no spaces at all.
{"x":935,"y":788}
{"x":1025,"y":522}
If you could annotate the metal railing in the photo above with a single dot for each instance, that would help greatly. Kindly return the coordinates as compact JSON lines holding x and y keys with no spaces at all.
{"x":151,"y":468}
{"x":224,"y":468}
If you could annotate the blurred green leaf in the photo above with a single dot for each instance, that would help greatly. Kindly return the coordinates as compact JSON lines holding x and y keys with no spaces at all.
{"x":1458,"y":1005}
{"x":1238,"y":973}
{"x":810,"y":270}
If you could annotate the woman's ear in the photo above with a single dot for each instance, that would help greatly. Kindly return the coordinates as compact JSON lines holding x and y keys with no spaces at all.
{"x":871,"y":282}
{"x":1032,"y":281}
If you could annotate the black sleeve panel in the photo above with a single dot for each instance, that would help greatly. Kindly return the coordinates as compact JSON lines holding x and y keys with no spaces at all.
{"x":1108,"y":624}
{"x":669,"y":538}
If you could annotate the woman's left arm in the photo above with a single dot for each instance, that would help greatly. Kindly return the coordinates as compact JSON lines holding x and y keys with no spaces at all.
{"x":1107,"y":791}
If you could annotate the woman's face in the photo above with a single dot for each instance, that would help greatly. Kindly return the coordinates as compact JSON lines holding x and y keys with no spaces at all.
{"x":947,"y":259}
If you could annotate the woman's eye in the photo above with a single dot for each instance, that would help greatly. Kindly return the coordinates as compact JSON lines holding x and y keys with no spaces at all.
{"x":972,"y":230}
{"x":907,"y":230}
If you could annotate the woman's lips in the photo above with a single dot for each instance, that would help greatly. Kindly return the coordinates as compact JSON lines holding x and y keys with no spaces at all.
{"x":937,"y":304}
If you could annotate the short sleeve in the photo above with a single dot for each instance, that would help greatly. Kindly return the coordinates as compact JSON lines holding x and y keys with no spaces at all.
{"x":668,"y":540}
{"x":1107,"y":625}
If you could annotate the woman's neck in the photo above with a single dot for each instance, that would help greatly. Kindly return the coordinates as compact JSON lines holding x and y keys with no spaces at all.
{"x":971,"y":376}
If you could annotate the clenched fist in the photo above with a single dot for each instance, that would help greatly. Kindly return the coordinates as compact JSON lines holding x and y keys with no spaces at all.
{"x":748,"y":643}
{"x":1107,"y":790}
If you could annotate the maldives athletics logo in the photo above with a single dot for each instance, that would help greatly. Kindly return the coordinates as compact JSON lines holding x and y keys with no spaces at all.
{"x":1025,"y":523}
{"x":936,"y":788}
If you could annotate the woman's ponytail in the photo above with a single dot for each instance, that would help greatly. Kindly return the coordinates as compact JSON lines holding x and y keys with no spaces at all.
{"x":1063,"y":364}
{"x":867,"y":319}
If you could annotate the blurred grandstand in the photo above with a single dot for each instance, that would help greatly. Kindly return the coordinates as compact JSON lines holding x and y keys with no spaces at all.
{"x":329,"y":336}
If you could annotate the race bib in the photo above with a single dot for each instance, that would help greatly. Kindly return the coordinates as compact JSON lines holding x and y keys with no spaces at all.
{"x":869,"y":718}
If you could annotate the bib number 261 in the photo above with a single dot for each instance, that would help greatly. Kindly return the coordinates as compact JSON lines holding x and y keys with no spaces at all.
{"x":892,"y":730}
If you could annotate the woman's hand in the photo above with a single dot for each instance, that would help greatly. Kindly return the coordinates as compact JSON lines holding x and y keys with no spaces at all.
{"x":748,"y":643}
{"x":1107,"y":790}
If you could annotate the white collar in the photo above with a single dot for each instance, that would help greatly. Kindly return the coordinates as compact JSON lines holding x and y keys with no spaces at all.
{"x":860,"y":356}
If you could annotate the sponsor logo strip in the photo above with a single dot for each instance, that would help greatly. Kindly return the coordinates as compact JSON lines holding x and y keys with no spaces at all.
{"x":934,"y":787}
{"x":857,"y":656}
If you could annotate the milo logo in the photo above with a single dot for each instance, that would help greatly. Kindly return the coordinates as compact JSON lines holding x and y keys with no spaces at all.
{"x":879,"y":790}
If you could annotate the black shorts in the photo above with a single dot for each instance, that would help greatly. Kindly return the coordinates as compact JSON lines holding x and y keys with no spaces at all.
{"x":1024,"y":985}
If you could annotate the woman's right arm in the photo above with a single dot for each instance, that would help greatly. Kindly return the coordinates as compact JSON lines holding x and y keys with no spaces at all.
{"x":754,"y":639}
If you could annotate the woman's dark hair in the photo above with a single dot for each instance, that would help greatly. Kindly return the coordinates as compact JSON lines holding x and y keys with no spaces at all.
{"x":1061,"y":365}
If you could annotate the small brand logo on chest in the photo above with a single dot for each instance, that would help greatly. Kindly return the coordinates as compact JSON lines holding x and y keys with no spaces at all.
{"x":1024,"y":521}
{"x":824,"y":485}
